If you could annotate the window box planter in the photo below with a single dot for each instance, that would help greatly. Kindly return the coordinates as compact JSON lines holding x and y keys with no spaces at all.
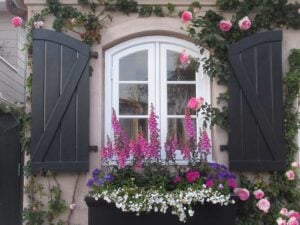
{"x":101,"y":212}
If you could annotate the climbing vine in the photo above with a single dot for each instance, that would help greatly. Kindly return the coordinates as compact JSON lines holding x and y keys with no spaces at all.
{"x":266,"y":14}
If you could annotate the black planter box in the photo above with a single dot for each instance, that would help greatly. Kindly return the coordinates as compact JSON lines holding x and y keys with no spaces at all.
{"x":103,"y":213}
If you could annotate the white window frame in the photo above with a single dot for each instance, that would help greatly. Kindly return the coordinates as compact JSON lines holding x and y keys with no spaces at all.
{"x":157,"y":47}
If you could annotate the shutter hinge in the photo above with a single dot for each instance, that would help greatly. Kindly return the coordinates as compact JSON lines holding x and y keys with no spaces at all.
{"x":93,"y":148}
{"x":19,"y":169}
{"x":224,"y":148}
{"x":94,"y":55}
{"x":91,"y":71}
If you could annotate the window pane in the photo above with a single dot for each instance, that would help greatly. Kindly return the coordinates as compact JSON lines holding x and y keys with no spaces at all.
{"x":176,"y":127}
{"x":134,"y":67}
{"x":133,"y":126}
{"x":133,"y":99}
{"x":178,"y":96}
{"x":176,"y":71}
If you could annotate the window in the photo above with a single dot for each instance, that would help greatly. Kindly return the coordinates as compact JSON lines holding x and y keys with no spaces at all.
{"x":145,"y":71}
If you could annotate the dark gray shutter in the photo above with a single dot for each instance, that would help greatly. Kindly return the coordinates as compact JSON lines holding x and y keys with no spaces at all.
{"x":256,"y":104}
{"x":60,"y":102}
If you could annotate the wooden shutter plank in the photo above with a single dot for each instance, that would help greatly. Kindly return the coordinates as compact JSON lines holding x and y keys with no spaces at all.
{"x":38,"y":91}
{"x":249,"y":135}
{"x":83,"y":111}
{"x":235,"y":112}
{"x":69,"y":123}
{"x":51,"y":94}
{"x":59,"y":109}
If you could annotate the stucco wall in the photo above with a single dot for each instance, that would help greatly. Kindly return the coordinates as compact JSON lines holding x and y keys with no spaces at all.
{"x":123,"y":28}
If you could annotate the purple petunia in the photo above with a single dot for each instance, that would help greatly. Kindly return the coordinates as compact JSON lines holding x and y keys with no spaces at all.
{"x":90,"y":182}
{"x":96,"y":172}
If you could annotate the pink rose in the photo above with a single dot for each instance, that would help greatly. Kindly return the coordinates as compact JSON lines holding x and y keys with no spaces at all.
{"x":292,"y":213}
{"x":245,"y":23}
{"x":243,"y":193}
{"x":290,"y":175}
{"x":259,"y":194}
{"x":184,"y":57}
{"x":186,"y":16}
{"x":231,"y":183}
{"x":177,"y":179}
{"x":225,"y":25}
{"x":263,"y":205}
{"x":295,"y":165}
{"x":280,"y":221}
{"x":292,"y":221}
{"x":192,"y":176}
{"x":195,"y":103}
{"x":16,"y":21}
{"x":284,"y":212}
{"x":209,"y":183}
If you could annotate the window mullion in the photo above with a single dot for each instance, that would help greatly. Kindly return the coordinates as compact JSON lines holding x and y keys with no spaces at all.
{"x":162,"y":86}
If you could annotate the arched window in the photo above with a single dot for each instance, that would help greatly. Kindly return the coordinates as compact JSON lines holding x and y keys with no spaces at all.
{"x":145,"y":71}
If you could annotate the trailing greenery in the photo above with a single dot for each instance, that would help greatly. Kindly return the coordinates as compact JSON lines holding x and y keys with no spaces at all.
{"x":267,"y":14}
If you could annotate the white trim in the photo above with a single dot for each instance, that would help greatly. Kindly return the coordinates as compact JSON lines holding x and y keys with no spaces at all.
{"x":157,"y":47}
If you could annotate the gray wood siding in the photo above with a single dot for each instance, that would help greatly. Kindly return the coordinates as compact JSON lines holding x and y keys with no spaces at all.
{"x":13,"y":60}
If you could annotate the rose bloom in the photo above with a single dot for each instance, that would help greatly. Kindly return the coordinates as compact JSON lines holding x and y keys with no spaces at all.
{"x":292,"y":213}
{"x":295,"y":165}
{"x":16,"y":21}
{"x":225,"y":25}
{"x":186,"y":16}
{"x":263,"y":205}
{"x":284,"y":212}
{"x":184,"y":57}
{"x":245,"y":23}
{"x":280,"y":221}
{"x":290,"y":175}
{"x":192,"y":176}
{"x":292,"y":221}
{"x":259,"y":194}
{"x":243,"y":193}
{"x":195,"y":103}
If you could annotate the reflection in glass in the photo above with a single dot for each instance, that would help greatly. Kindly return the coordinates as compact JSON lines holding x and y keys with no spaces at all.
{"x":134,"y":67}
{"x":133,"y":99}
{"x":176,"y":128}
{"x":178,"y":96}
{"x":133,"y":126}
{"x":175,"y":72}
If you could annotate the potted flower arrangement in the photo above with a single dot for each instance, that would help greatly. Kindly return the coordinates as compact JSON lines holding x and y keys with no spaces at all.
{"x":134,"y":180}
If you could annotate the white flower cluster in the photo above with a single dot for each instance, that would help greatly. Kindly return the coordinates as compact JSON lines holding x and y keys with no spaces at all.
{"x":179,"y":201}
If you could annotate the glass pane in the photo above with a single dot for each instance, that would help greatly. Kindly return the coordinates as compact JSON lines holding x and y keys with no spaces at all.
{"x":134,"y":67}
{"x":178,"y":72}
{"x":133,"y":126}
{"x":133,"y":99}
{"x":178,"y":96}
{"x":176,"y":129}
